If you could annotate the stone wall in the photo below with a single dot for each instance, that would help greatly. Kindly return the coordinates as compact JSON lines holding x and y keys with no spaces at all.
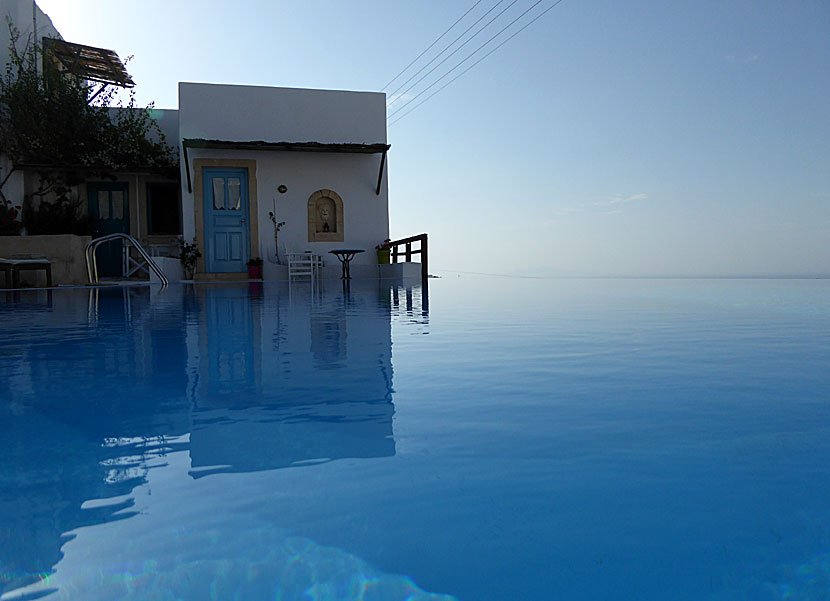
{"x":65,"y":251}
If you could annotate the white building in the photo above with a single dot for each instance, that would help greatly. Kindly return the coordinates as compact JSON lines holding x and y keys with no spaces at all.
{"x":250,"y":157}
{"x":314,"y":158}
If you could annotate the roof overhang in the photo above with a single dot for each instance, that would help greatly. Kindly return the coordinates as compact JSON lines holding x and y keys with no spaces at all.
{"x":259,"y":145}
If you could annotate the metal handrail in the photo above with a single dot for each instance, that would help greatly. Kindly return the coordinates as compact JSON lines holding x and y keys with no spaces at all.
{"x":92,"y":262}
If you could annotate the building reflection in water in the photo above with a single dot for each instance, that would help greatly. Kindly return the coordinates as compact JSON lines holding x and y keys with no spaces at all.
{"x":316,"y":369}
{"x":99,"y":385}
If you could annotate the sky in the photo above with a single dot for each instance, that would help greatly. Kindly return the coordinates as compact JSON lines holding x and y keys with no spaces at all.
{"x":609,"y":138}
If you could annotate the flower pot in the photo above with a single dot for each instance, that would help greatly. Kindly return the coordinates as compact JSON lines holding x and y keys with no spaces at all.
{"x":254,"y":272}
{"x":383,"y":256}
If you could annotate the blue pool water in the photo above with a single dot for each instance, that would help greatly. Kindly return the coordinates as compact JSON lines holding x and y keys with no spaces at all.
{"x":496,"y":439}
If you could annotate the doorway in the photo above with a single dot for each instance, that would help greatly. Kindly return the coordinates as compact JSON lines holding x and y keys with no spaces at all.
{"x":109,"y":213}
{"x":227,"y":227}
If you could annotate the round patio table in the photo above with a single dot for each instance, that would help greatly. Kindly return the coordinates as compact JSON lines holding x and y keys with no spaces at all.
{"x":345,"y":255}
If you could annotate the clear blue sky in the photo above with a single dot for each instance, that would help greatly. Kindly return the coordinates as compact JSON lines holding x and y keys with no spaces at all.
{"x":608,"y":138}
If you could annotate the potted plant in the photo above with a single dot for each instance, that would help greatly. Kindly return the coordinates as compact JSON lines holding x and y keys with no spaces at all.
{"x":188,"y":254}
{"x":255,"y":269}
{"x":384,"y":249}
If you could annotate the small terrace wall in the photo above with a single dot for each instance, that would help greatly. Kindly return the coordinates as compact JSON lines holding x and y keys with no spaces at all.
{"x":66,"y":251}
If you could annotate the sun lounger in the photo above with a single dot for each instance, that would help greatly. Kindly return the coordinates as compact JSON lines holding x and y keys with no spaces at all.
{"x":12,"y":267}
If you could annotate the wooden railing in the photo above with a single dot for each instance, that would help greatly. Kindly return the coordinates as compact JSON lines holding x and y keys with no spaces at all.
{"x":408,"y":251}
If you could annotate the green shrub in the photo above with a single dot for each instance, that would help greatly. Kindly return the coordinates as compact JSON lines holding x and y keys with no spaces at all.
{"x":62,"y":216}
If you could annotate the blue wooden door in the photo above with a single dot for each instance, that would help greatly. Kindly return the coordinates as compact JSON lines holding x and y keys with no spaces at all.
{"x":109,"y":212}
{"x":226,"y":220}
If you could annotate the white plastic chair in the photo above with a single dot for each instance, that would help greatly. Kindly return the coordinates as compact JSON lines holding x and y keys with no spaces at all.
{"x":303,"y":265}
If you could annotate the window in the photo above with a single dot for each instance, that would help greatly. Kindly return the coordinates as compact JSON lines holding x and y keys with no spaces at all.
{"x":163,"y":209}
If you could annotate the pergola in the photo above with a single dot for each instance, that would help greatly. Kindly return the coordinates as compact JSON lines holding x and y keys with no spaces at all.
{"x":88,"y":62}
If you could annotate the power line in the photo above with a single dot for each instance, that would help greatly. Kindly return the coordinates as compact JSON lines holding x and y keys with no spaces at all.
{"x":450,"y":45}
{"x":469,"y":56}
{"x":431,"y":45}
{"x":451,"y":54}
{"x":521,"y":29}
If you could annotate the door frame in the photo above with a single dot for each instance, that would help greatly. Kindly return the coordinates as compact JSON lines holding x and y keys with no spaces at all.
{"x":199,"y":165}
{"x":113,"y":246}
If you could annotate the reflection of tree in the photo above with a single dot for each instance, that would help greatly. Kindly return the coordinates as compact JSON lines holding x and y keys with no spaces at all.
{"x":72,"y":429}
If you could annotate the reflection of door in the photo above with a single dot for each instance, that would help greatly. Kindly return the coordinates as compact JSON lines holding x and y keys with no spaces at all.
{"x":109,"y":212}
{"x":226,"y":219}
{"x":230,"y":341}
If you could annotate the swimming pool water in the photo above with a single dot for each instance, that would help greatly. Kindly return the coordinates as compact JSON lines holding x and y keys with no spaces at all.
{"x":494,"y":439}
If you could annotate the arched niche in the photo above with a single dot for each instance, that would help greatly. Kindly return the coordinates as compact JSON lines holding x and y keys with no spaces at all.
{"x":325,"y":217}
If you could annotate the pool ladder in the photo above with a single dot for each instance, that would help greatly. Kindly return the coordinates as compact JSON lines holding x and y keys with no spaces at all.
{"x":92,"y":262}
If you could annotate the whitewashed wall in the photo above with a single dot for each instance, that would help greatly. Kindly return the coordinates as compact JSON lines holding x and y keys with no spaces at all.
{"x":19,"y":14}
{"x":248,"y":113}
{"x":244,"y":113}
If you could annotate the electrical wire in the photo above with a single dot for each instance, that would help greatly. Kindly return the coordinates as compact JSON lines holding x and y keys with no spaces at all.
{"x":469,"y":56}
{"x":521,"y":29}
{"x":431,"y":45}
{"x":450,"y":45}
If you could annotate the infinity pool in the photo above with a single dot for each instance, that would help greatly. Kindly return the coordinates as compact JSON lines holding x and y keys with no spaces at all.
{"x":493,"y":440}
